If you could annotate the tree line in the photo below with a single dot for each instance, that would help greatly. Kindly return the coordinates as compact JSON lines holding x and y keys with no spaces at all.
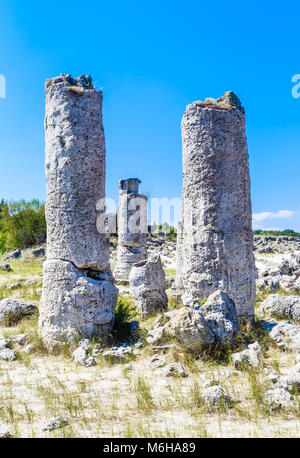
{"x":22,"y":224}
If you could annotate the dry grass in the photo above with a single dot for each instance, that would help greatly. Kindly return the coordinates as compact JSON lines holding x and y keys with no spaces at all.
{"x":116,"y":401}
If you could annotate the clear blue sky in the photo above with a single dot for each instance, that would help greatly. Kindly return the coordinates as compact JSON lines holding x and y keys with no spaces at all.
{"x":152,"y":58}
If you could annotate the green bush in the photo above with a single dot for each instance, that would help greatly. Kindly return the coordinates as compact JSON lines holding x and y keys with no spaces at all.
{"x":22,"y":224}
{"x":124,"y":314}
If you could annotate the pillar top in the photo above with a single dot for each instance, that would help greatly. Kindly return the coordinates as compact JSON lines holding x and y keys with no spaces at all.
{"x":129,"y":185}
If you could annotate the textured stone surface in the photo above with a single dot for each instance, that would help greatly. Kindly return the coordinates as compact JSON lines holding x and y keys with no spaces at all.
{"x":190,"y":327}
{"x":214,"y":323}
{"x":148,"y":284}
{"x":55,"y":423}
{"x":74,"y":304}
{"x":217,"y":239}
{"x":286,"y":335}
{"x":132,"y":228}
{"x":174,"y":370}
{"x":278,"y":398}
{"x":247,"y":357}
{"x":78,"y":298}
{"x":12,"y":311}
{"x":282,"y":306}
{"x":216,"y":397}
{"x":8,"y":355}
{"x":220,"y":313}
{"x":75,"y":172}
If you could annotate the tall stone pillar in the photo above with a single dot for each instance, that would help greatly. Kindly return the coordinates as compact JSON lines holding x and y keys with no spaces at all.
{"x":132,"y":228}
{"x":77,"y":298}
{"x":217,"y":240}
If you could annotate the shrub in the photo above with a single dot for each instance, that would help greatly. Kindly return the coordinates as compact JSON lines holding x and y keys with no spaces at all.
{"x":22,"y":224}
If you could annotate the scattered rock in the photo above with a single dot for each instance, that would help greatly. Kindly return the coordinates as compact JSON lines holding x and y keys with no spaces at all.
{"x":157,"y":361}
{"x":12,"y":311}
{"x":117,"y":354}
{"x":278,"y":398}
{"x":282,"y":306}
{"x":248,"y":357}
{"x":155,"y":336}
{"x":14,"y":255}
{"x":55,"y":423}
{"x":28,"y":349}
{"x":8,"y":355}
{"x":4,"y":432}
{"x":97,"y":350}
{"x":216,"y":397}
{"x":38,"y":252}
{"x":13,"y":285}
{"x":81,"y":354}
{"x":19,"y":339}
{"x":284,"y":333}
{"x":174,"y":369}
{"x":5,"y":267}
{"x":89,"y":362}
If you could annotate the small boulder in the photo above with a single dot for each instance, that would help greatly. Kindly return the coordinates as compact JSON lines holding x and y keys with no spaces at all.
{"x":5,"y":267}
{"x":190,"y":327}
{"x":247,"y":357}
{"x":4,"y":432}
{"x":14,"y":255}
{"x":8,"y":355}
{"x":38,"y":252}
{"x":278,"y":398}
{"x":174,"y":370}
{"x":117,"y":354}
{"x":155,"y":336}
{"x":55,"y":423}
{"x":12,"y":311}
{"x":19,"y":339}
{"x":282,"y":306}
{"x":216,"y":397}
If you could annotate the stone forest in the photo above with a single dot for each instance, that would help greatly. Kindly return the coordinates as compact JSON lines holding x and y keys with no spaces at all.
{"x":133,"y":332}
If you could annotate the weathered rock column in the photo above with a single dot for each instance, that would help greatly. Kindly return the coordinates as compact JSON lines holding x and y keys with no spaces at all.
{"x":132,"y":228}
{"x":77,"y":298}
{"x":217,"y":239}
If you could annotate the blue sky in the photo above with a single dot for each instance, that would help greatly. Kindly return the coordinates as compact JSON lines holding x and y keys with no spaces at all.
{"x":152,"y":59}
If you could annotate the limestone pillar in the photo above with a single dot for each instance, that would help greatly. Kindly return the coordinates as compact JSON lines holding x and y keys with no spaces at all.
{"x":217,"y":239}
{"x":77,"y":298}
{"x":132,"y":228}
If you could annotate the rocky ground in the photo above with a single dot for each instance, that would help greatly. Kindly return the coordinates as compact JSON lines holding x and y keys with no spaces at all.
{"x":156,"y":389}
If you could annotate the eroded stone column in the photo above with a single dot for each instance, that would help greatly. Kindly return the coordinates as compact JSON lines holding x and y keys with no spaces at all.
{"x":217,"y":240}
{"x":132,"y":228}
{"x":77,"y":298}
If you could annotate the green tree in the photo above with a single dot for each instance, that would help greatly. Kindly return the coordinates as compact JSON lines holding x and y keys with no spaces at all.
{"x":22,"y":224}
